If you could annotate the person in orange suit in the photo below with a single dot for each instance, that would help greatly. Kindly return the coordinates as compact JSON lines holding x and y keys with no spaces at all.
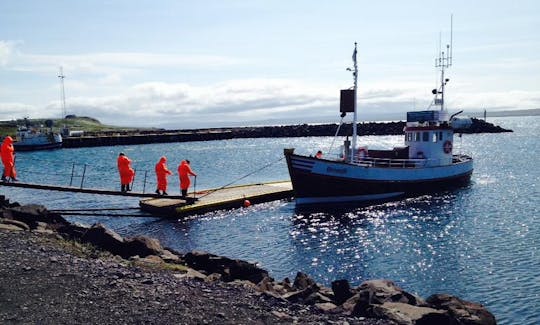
{"x":8,"y":159}
{"x":162,"y":172}
{"x":126,"y":172}
{"x":184,"y":170}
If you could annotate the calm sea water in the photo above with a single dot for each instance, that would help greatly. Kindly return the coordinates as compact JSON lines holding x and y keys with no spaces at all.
{"x":479,"y":243}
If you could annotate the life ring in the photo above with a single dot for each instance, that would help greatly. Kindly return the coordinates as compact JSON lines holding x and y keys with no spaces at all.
{"x":362,"y":152}
{"x":447,"y":147}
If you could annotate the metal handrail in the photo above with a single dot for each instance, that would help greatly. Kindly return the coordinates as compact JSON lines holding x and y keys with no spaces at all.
{"x":403,"y":163}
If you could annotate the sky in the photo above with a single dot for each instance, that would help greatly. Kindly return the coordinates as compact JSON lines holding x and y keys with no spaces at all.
{"x":191,"y":64}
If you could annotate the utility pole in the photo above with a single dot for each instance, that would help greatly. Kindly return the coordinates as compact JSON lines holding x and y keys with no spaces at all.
{"x":63,"y":98}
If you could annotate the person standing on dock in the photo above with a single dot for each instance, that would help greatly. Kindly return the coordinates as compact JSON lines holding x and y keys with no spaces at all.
{"x":184,"y":171}
{"x":8,"y":159}
{"x":126,"y":172}
{"x":162,"y":172}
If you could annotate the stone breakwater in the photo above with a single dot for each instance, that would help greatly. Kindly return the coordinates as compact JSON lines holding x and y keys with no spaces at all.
{"x":301,"y":300}
{"x":304,"y":130}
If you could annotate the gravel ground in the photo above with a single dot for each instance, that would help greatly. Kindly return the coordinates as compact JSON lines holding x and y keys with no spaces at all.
{"x":45,"y":280}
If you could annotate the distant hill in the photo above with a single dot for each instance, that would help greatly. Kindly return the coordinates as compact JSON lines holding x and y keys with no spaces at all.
{"x":82,"y":123}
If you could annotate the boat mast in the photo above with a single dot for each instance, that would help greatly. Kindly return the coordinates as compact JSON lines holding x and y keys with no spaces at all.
{"x":355,"y":75}
{"x":444,"y":61}
{"x":61,"y":76}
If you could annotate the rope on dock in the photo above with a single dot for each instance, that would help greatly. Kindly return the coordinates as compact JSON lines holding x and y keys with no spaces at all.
{"x":236,"y":180}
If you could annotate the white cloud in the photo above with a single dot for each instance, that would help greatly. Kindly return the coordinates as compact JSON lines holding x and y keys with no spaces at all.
{"x":104,"y":89}
{"x":112,"y":63}
{"x":7,"y":49}
{"x":10,"y":111}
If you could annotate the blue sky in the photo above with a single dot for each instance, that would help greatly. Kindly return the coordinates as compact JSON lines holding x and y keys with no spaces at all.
{"x":183,"y":64}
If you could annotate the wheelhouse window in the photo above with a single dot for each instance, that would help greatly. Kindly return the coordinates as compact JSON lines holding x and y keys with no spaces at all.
{"x":409,"y":136}
{"x":425,"y":136}
{"x":434,"y":137}
{"x":417,"y":136}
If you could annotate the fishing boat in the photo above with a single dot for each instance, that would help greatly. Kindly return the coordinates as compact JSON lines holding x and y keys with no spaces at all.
{"x":38,"y":138}
{"x":425,"y":163}
{"x":30,"y":138}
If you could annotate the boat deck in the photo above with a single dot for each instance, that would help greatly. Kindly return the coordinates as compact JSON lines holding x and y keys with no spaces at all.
{"x":217,"y":199}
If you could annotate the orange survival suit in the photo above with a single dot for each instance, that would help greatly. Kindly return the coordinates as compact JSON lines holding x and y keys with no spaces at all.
{"x":184,"y":170}
{"x":8,"y":159}
{"x":162,"y":172}
{"x":126,"y":172}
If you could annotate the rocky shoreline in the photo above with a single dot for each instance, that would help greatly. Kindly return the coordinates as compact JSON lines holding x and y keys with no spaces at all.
{"x":52,"y":271}
{"x":304,"y":130}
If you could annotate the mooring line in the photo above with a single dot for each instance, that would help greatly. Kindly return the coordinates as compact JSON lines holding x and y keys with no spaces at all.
{"x":236,"y":180}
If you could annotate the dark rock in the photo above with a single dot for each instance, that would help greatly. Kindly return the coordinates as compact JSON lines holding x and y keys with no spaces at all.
{"x":303,"y":281}
{"x":4,"y":226}
{"x":230,"y":269}
{"x":317,"y":298}
{"x":300,"y":295}
{"x":328,"y":308}
{"x":381,"y":291}
{"x":403,"y":313}
{"x":378,"y":292}
{"x":243,"y":270}
{"x":72,"y":231}
{"x":465,"y":312}
{"x":342,"y":291}
{"x":33,"y":213}
{"x":359,"y":304}
{"x":3,"y":201}
{"x":266,"y":285}
{"x":142,"y":246}
{"x":205,"y":262}
{"x":17,"y":223}
{"x":105,"y":239}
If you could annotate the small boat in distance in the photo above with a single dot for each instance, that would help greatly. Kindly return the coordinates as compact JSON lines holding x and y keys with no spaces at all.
{"x":424,"y":164}
{"x":30,"y":138}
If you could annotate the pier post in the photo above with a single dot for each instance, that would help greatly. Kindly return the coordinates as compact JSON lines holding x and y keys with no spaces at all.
{"x":84,"y":172}
{"x":72,"y":171}
{"x":144,"y":182}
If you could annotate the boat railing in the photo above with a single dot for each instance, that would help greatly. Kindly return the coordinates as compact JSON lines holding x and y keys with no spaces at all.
{"x":406,"y":163}
{"x":390,"y":162}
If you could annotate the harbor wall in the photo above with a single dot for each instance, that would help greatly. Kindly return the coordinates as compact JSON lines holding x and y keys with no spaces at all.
{"x":112,"y":138}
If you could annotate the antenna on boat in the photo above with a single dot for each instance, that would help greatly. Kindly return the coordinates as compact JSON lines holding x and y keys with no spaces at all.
{"x":443,"y":62}
{"x":61,"y":76}
{"x":355,"y":74}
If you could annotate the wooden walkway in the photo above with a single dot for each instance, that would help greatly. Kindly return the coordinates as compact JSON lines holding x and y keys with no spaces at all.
{"x":217,"y":199}
{"x":173,"y":206}
{"x":81,"y":190}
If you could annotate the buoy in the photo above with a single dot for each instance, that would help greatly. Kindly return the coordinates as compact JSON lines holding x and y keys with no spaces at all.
{"x":246,"y":203}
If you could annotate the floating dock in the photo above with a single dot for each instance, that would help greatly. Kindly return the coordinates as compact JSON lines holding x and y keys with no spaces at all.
{"x":172,"y":206}
{"x":217,"y":199}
